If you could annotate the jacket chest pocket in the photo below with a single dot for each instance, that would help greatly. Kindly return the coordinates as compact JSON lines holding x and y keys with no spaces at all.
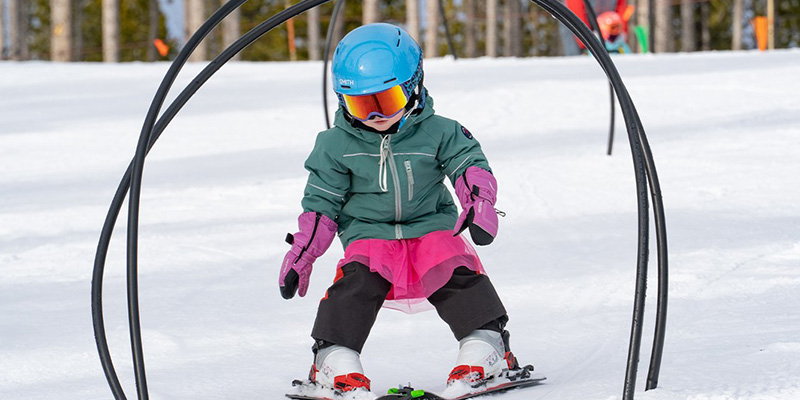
{"x":410,"y":178}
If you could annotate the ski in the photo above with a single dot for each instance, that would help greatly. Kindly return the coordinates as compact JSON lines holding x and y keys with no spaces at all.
{"x":517,"y":381}
{"x":523,"y":378}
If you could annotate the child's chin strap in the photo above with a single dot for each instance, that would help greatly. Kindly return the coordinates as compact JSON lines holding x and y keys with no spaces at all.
{"x":418,"y":100}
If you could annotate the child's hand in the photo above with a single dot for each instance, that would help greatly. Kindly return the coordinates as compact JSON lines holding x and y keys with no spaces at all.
{"x":315,"y":236}
{"x":477,"y":192}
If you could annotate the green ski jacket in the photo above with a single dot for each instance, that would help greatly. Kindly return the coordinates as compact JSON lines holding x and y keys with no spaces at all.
{"x":390,"y":186}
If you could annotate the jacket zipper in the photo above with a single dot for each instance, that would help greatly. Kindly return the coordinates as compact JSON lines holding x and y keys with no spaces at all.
{"x":398,"y":209}
{"x":410,"y":176}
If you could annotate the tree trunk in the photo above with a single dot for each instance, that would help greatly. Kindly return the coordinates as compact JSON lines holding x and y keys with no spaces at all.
{"x":491,"y":28}
{"x":152,"y":29}
{"x":506,"y":25}
{"x":23,"y":25}
{"x":512,"y":28}
{"x":2,"y":30}
{"x":770,"y":24}
{"x":412,"y":20}
{"x":705,"y":16}
{"x":195,"y":16}
{"x":77,"y":21}
{"x":432,"y":28}
{"x":516,"y":29}
{"x":290,"y":36}
{"x":687,"y":25}
{"x":232,"y":28}
{"x":470,"y":40}
{"x":110,"y":28}
{"x":370,"y":12}
{"x":643,"y":20}
{"x":314,"y":48}
{"x":736,"y":22}
{"x":12,"y":52}
{"x":60,"y":30}
{"x":663,"y":28}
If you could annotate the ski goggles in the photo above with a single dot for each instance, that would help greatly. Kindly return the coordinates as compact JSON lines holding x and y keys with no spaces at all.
{"x":384,"y":104}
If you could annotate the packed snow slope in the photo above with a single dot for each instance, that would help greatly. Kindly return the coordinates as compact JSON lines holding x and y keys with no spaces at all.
{"x":223,"y":186}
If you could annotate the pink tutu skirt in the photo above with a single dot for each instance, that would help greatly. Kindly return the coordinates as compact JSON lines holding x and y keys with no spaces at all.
{"x":415,"y":267}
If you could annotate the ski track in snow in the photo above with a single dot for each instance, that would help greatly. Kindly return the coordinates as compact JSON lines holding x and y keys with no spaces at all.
{"x":223,"y":184}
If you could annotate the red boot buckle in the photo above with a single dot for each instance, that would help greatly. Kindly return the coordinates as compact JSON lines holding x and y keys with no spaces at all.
{"x":466,"y":373}
{"x":351,"y":381}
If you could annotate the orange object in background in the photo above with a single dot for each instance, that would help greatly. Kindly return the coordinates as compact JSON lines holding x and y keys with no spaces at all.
{"x":628,"y":13}
{"x":163,"y":48}
{"x":761,"y":27}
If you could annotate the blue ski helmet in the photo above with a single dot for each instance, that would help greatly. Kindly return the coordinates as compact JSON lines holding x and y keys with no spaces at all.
{"x":375,"y":57}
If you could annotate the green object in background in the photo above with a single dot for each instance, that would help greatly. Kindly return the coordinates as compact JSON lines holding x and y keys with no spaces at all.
{"x":417,"y":393}
{"x":641,"y":37}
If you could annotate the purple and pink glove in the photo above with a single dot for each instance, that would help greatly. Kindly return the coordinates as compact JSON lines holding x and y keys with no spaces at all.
{"x":315,"y":236}
{"x":477,"y":191}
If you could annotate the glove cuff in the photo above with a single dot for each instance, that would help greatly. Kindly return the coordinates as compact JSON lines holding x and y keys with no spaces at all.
{"x":476,"y":183}
{"x":315,"y":236}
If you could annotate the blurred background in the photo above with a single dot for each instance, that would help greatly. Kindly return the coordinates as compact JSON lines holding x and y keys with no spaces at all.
{"x":152,"y":30}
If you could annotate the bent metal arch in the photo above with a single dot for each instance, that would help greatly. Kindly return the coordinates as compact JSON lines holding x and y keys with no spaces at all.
{"x":644,"y":170}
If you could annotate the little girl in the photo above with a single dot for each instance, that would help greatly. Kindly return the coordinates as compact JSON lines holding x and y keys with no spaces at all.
{"x":376,"y":179}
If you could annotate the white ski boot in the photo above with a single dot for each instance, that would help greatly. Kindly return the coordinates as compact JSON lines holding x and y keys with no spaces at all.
{"x":483,"y":355}
{"x":338,"y":368}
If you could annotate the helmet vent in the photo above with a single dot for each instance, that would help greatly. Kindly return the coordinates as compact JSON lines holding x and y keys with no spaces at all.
{"x":393,"y":79}
{"x":346,"y":87}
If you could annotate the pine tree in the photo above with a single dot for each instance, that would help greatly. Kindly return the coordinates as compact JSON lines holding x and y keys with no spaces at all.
{"x":787,"y":29}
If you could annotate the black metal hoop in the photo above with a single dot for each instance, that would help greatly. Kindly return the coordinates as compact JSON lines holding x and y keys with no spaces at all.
{"x":644,"y":168}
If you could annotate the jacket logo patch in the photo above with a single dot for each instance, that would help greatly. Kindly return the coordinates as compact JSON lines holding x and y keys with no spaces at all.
{"x":466,"y":132}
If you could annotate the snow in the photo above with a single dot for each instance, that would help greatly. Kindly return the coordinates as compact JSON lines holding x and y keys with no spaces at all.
{"x":222,"y":187}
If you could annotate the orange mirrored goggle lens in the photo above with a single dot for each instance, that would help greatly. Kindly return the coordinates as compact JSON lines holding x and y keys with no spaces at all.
{"x":384,"y":104}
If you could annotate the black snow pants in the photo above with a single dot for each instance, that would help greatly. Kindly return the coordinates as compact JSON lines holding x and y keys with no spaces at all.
{"x":345,"y":316}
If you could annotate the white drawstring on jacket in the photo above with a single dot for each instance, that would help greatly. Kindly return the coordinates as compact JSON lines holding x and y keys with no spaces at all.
{"x":382,"y":164}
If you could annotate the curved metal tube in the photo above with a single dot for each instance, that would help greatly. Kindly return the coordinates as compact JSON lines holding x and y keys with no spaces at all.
{"x":119,"y":197}
{"x":643,"y":165}
{"x":151,"y":137}
{"x":660,"y":330}
{"x":596,"y":29}
{"x":337,"y":9}
{"x":133,"y":177}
